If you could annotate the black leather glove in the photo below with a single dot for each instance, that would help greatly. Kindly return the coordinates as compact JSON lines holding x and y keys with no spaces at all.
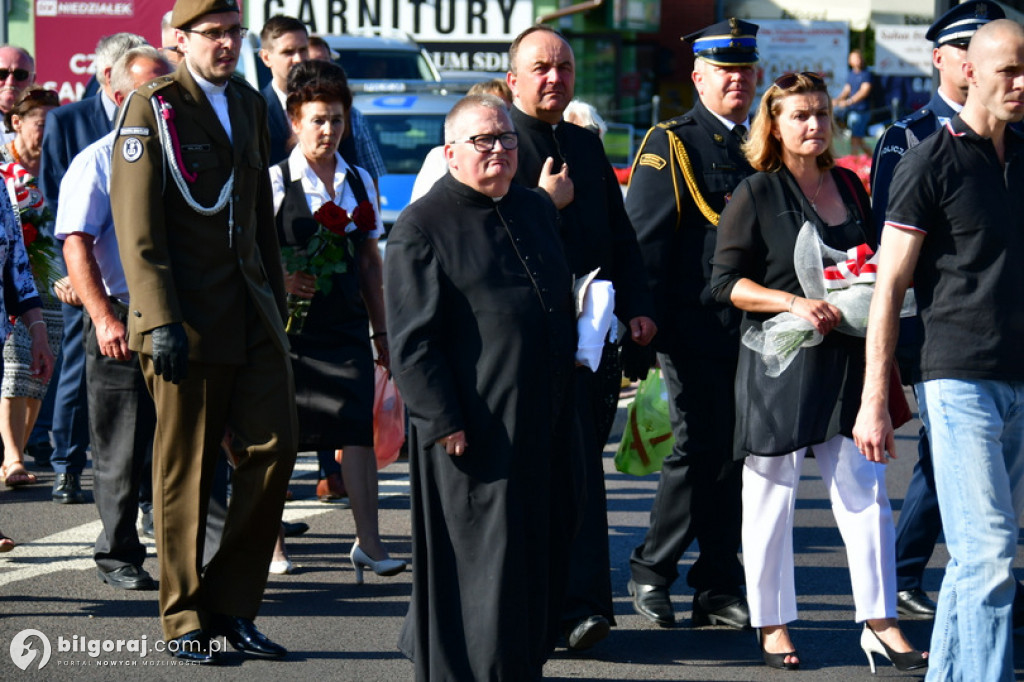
{"x":636,"y":360}
{"x":170,"y":352}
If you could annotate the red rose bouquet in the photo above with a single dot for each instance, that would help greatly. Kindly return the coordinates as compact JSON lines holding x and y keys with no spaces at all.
{"x":328,"y":252}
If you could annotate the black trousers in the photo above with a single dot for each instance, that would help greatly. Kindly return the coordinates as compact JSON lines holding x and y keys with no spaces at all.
{"x":589,"y":586}
{"x":122,"y":420}
{"x":698,"y":496}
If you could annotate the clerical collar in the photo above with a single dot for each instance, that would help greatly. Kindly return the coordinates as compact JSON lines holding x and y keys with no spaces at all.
{"x":217,"y":97}
{"x":729,"y":124}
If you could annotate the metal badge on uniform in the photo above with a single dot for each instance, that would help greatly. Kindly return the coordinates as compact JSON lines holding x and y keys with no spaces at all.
{"x":719,"y":139}
{"x":135,"y":130}
{"x":652,"y":160}
{"x":132,"y":150}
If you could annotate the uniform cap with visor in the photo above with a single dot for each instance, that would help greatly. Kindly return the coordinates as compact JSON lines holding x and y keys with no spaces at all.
{"x":732,"y":42}
{"x":958,"y":25}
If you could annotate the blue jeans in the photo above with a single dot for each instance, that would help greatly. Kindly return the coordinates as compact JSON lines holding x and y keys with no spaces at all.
{"x":977,"y":435}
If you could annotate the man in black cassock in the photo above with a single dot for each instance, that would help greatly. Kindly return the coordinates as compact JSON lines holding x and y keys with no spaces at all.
{"x":570,"y":164}
{"x":482,"y":330}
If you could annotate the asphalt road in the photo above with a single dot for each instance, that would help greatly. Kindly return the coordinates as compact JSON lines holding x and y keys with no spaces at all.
{"x":337,"y":630}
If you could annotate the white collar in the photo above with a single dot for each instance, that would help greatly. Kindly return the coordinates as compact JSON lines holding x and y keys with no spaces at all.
{"x":952,"y":105}
{"x":282,"y":96}
{"x":298,"y":169}
{"x":208,"y":88}
{"x":729,"y":124}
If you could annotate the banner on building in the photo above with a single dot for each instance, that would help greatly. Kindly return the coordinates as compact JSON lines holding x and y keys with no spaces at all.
{"x":437,"y":21}
{"x":787,"y":46}
{"x":66,"y":33}
{"x":902,"y":51}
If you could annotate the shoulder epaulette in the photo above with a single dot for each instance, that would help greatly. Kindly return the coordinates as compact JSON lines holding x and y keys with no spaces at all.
{"x":239,"y":79}
{"x":676,"y":122}
{"x":912,"y":119}
{"x":155,"y":85}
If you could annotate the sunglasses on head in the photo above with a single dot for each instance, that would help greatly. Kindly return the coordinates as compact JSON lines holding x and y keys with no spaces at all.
{"x":788,"y":80}
{"x":19,"y":74}
{"x":47,"y":97}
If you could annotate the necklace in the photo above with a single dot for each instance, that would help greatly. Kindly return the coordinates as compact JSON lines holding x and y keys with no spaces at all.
{"x":15,"y":154}
{"x":821,"y":178}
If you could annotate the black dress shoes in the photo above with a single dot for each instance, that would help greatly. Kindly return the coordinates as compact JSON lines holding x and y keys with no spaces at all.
{"x":193,"y":647}
{"x":67,"y":489}
{"x":292,"y":530}
{"x":242,"y":634}
{"x":717,"y":608}
{"x":914,"y":604}
{"x":587,"y":632}
{"x":653,"y":602}
{"x":127,"y":578}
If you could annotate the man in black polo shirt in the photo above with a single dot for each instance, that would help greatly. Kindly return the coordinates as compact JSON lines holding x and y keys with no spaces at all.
{"x":955,"y":227}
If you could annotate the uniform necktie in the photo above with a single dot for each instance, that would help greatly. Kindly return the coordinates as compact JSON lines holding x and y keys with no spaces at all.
{"x":740,"y":131}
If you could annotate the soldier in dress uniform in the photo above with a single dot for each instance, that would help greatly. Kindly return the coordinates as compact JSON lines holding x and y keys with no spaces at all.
{"x":191,"y":198}
{"x":919,"y":522}
{"x":683,"y":175}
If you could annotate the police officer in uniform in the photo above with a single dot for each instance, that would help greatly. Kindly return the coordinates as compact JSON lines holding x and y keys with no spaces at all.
{"x":191,"y":198}
{"x":919,"y":523}
{"x":682,"y":177}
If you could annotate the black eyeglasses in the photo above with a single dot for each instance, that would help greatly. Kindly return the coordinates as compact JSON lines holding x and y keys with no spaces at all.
{"x":788,"y":80}
{"x":219,"y":34}
{"x":485,"y":143}
{"x":19,"y":74}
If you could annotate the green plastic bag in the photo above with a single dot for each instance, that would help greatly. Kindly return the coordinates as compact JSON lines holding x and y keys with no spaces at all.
{"x":647,"y":438}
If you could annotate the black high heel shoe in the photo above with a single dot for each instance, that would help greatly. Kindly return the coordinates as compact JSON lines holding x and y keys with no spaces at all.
{"x":871,"y":644}
{"x":776,"y":660}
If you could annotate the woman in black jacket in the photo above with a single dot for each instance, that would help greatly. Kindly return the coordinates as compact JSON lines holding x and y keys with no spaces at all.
{"x":813,"y":403}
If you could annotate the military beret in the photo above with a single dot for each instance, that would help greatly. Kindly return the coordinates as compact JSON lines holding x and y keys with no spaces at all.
{"x":958,"y":25}
{"x":732,"y":42}
{"x":187,"y":11}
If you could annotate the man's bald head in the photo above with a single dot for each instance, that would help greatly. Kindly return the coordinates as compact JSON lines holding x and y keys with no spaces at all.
{"x":995,"y":76}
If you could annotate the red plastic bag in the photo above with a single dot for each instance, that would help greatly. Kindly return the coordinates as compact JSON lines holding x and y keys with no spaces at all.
{"x":388,"y":419}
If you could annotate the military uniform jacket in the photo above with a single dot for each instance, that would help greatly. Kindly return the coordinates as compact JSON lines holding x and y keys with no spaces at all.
{"x":677,"y":231}
{"x":894,"y":143}
{"x":182,"y":266}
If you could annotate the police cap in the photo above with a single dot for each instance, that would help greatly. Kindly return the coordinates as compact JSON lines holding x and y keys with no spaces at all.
{"x":958,"y":25}
{"x":187,"y":11}
{"x":732,"y":42}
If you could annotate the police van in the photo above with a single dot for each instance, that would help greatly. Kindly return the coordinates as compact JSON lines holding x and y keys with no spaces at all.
{"x":406,"y":126}
{"x":385,"y":60}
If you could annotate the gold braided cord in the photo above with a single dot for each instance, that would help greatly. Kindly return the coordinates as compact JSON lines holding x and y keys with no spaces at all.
{"x":679,"y":151}
{"x":675,"y":184}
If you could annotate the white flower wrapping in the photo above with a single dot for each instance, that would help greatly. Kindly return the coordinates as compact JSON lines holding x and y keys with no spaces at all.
{"x":846,"y":279}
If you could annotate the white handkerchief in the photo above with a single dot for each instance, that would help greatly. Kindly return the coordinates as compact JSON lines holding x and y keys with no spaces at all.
{"x":596,"y":315}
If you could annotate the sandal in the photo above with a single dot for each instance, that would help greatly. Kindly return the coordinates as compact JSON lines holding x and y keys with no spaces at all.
{"x":6,"y":544}
{"x":16,"y":475}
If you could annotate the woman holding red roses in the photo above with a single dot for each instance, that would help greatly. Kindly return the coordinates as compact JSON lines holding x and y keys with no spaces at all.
{"x":328,"y":226}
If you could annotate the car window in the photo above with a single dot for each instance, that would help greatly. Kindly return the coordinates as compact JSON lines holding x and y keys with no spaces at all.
{"x":405,"y":140}
{"x":384,"y":65}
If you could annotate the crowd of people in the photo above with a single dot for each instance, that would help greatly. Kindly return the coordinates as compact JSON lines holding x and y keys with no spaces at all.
{"x":225,"y":305}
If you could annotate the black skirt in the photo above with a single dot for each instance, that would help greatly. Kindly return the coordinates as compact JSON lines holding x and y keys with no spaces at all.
{"x":334,"y":388}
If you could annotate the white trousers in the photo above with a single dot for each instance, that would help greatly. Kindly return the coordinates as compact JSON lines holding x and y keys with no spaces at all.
{"x":861,"y":508}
